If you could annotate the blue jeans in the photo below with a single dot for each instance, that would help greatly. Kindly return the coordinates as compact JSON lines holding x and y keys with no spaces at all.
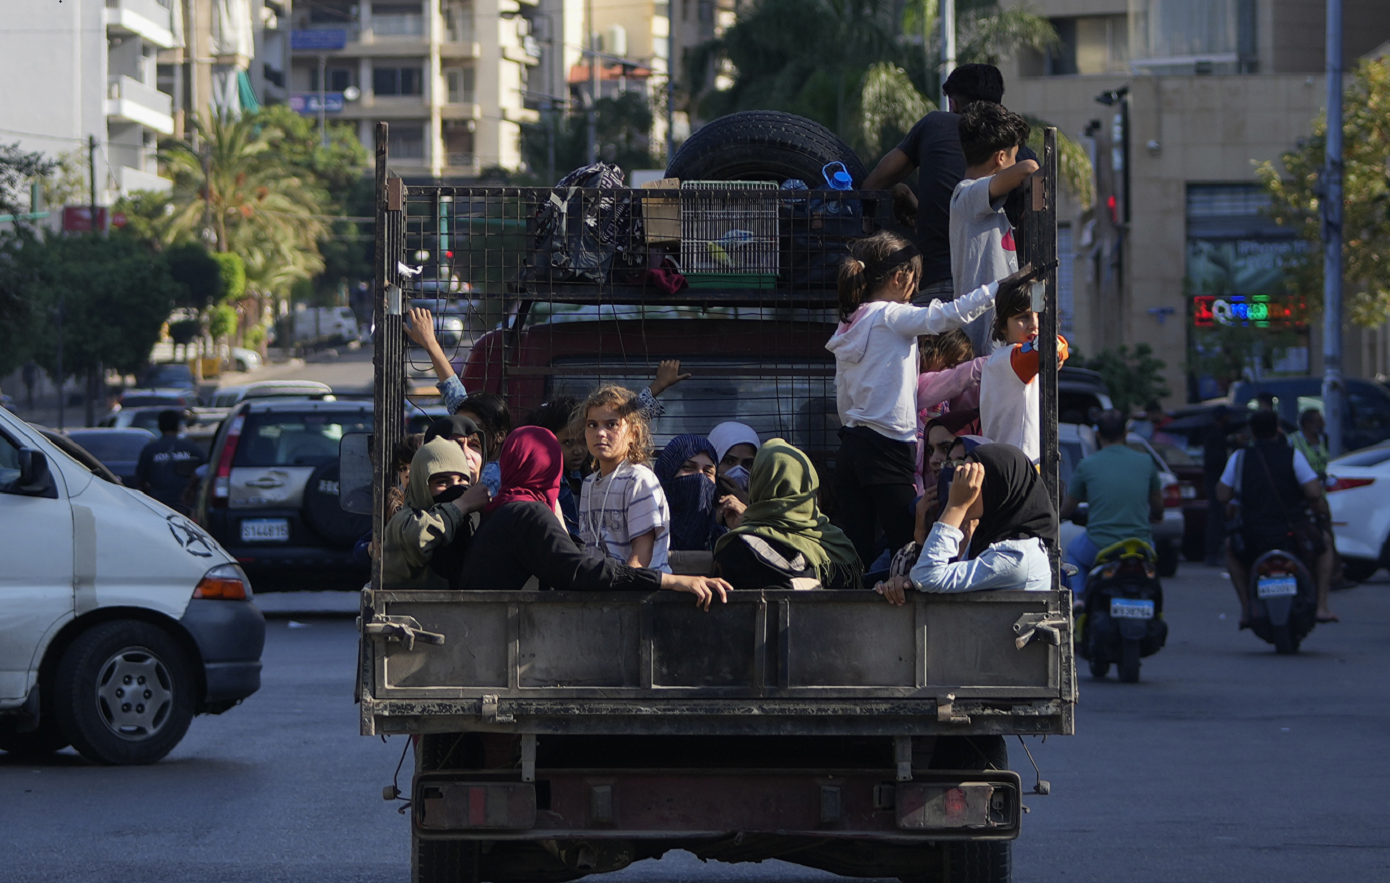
{"x":1081,"y":553}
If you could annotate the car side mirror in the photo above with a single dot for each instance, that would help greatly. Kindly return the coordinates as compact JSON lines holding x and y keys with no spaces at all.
{"x":355,"y":473}
{"x":35,"y":479}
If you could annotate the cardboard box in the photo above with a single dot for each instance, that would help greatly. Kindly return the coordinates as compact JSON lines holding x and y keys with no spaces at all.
{"x":661,"y":215}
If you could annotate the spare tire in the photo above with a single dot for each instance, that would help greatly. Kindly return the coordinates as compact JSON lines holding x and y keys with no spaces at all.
{"x":762,"y":145}
{"x":323,"y":513}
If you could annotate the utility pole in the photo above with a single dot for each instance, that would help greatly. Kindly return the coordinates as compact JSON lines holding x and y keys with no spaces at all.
{"x":92,"y":180}
{"x":1332,"y":385}
{"x":593,"y":84}
{"x":323,"y":99}
{"x":948,"y":47}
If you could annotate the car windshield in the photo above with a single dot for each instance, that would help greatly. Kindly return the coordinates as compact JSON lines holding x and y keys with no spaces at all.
{"x":168,"y":375}
{"x":289,"y":438}
{"x":148,"y":419}
{"x":113,"y":447}
{"x":794,"y":401}
{"x":1174,"y":455}
{"x":147,"y":399}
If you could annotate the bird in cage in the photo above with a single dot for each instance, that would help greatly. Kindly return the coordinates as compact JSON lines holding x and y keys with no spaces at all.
{"x":719,"y":249}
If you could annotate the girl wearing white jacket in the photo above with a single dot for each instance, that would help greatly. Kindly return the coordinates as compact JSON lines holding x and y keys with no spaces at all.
{"x":875,"y":351}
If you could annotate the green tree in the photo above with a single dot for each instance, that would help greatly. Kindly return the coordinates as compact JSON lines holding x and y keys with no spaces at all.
{"x":1134,"y":378}
{"x":1296,"y":197}
{"x":18,"y":170}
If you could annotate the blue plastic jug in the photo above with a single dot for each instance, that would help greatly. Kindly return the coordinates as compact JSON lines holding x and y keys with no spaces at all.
{"x":837,"y":177}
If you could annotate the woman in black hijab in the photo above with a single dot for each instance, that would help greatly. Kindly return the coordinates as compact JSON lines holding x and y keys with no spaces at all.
{"x":999,"y":502}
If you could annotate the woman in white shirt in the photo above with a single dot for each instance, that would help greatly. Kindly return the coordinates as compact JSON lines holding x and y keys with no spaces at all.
{"x":999,"y":505}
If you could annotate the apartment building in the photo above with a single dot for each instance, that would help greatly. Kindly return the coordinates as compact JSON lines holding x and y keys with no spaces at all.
{"x":450,"y":76}
{"x":1179,"y":100}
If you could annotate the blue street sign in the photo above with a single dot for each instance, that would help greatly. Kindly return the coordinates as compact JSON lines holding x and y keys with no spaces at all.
{"x":307,"y":103}
{"x":327,"y":40}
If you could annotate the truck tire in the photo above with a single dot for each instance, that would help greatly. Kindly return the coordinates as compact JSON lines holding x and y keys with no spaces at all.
{"x":1284,"y":641}
{"x":762,"y":145}
{"x":124,"y":693}
{"x":443,"y":861}
{"x":975,"y":861}
{"x":37,"y":743}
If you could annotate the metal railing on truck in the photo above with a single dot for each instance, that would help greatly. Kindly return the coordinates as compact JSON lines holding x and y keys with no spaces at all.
{"x":530,"y":265}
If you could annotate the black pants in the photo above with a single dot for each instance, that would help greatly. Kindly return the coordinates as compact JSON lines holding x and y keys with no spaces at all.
{"x":873,"y":481}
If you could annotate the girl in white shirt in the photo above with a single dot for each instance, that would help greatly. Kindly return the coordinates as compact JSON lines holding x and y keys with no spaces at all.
{"x":876,"y":362}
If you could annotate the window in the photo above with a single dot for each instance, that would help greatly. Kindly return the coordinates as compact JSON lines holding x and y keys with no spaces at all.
{"x":289,"y":439}
{"x":407,"y":141}
{"x":338,"y":79}
{"x":9,"y":465}
{"x":458,"y":22}
{"x":458,"y":146}
{"x":458,"y":85}
{"x":1205,"y":36}
{"x":397,"y":20}
{"x":397,"y":81}
{"x":1092,"y":44}
{"x":331,"y":12}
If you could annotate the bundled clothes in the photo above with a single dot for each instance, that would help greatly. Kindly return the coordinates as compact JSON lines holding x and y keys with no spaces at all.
{"x":425,"y":540}
{"x":784,"y":540}
{"x":1007,"y":548}
{"x":523,"y":536}
{"x":691,"y":498}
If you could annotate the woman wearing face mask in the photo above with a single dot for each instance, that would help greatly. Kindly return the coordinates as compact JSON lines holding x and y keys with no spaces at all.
{"x":424,"y":542}
{"x":521,"y":536}
{"x":784,"y":542}
{"x":686,"y":470}
{"x":735,"y":445}
{"x":999,"y":506}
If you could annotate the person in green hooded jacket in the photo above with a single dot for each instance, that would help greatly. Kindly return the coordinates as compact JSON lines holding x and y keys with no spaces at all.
{"x":783,"y":541}
{"x":426,"y":540}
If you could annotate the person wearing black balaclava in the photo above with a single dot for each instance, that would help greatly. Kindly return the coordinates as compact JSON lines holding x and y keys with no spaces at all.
{"x":686,"y":470}
{"x":998,"y":503}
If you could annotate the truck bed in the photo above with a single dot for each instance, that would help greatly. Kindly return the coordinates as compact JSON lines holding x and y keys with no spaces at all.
{"x":765,"y":663}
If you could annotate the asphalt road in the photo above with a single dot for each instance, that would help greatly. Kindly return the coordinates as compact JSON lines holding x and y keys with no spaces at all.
{"x":1225,"y":763}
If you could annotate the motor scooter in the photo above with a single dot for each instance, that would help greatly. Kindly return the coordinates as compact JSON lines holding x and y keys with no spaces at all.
{"x":1122,"y":620}
{"x":1283,"y":600}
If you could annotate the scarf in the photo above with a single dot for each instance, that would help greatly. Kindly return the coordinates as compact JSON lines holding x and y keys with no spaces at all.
{"x":531,"y":464}
{"x":690,"y":497}
{"x":783,"y":492}
{"x":1015,"y":499}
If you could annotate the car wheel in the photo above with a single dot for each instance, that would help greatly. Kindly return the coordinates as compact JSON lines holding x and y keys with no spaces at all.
{"x":1359,"y":569}
{"x":36,"y":743}
{"x":124,"y":693}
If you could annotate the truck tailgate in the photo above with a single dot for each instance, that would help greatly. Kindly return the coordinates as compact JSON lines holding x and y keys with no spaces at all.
{"x":766,"y":662}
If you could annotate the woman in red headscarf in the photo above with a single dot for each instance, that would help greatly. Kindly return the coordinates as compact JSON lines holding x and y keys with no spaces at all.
{"x":523,"y":535}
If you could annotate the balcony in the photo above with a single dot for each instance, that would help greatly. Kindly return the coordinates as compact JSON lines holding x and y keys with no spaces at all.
{"x":129,"y":100}
{"x":132,"y":179}
{"x":149,"y":19}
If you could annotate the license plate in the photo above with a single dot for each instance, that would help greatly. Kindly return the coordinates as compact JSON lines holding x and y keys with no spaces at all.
{"x":1277,"y":586}
{"x":265,"y":530}
{"x":1126,"y":608}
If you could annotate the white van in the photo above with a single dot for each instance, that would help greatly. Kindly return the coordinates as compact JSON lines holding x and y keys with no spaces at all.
{"x":325,"y":325}
{"x":120,"y":619}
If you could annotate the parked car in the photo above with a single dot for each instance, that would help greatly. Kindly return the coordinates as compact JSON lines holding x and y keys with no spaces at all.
{"x":324,"y":325}
{"x":116,"y":449}
{"x":244,"y":360}
{"x":1365,"y":423}
{"x":80,"y":454}
{"x":1077,"y":442}
{"x":271,"y":494}
{"x":1080,"y":392}
{"x":168,"y":375}
{"x":150,"y":397}
{"x":1360,"y":516}
{"x":127,"y":621}
{"x":228,"y":396}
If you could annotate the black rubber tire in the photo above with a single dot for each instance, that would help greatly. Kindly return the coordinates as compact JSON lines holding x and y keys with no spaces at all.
{"x":324,"y":513}
{"x":974,"y":861}
{"x":1283,"y":640}
{"x":1359,"y":569}
{"x":1128,"y":669}
{"x":1167,"y":564}
{"x":443,"y":861}
{"x":36,"y":743}
{"x":763,"y":145}
{"x":1099,"y":668}
{"x":92,"y":662}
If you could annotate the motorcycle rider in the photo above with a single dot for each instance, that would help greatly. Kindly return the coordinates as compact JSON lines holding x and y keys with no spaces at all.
{"x":1123,"y":493}
{"x":1275,"y":486}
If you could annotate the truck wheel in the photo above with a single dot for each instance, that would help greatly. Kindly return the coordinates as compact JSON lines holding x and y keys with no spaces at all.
{"x":762,"y":145}
{"x":443,"y":861}
{"x":1167,"y":564}
{"x":37,"y":743}
{"x":1284,"y":641}
{"x":1129,"y":661}
{"x":980,"y":861}
{"x":124,"y":693}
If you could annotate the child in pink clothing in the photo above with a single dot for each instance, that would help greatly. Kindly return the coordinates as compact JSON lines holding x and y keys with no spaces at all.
{"x":950,"y":381}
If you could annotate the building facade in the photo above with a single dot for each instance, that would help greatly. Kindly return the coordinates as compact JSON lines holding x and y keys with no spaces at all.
{"x":1178,"y":101}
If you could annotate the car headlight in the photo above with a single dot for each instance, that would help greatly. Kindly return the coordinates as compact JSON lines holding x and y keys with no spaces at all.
{"x":226,"y":582}
{"x":453,"y":324}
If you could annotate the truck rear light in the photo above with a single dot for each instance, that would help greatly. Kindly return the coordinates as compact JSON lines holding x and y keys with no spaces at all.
{"x":967,"y":805}
{"x":1346,"y":484}
{"x":224,"y":583}
{"x":446,"y":805}
{"x":222,"y":478}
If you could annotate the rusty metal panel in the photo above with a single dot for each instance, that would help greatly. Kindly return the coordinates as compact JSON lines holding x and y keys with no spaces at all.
{"x":578,"y":645}
{"x":474,"y":655}
{"x":963,"y":649}
{"x":691,"y":648}
{"x":851,"y":645}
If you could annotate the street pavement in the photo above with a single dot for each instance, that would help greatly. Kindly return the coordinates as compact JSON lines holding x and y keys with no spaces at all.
{"x":1225,"y":763}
